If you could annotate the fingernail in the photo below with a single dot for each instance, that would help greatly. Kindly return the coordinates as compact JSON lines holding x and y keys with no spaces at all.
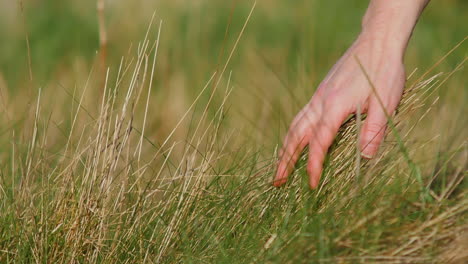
{"x":313,"y":184}
{"x":366,"y":155}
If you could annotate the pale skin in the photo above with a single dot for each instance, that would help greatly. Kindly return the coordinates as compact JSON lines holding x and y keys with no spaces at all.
{"x":380,"y":47}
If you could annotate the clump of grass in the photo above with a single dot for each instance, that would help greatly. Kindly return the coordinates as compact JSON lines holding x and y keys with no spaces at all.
{"x":103,"y":191}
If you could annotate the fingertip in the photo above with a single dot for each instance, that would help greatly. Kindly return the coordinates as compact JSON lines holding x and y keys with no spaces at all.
{"x":373,"y":132}
{"x":313,"y":183}
{"x":369,"y":148}
{"x":370,"y":143}
{"x":280,"y":177}
{"x":279,"y":182}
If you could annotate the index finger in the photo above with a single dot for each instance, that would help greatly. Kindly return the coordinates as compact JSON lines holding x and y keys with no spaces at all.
{"x":295,"y":141}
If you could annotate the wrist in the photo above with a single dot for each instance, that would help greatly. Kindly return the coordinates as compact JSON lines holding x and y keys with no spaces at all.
{"x":389,"y":24}
{"x":376,"y":43}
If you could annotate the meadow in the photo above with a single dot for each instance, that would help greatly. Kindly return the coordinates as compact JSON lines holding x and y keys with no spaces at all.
{"x":161,"y":146}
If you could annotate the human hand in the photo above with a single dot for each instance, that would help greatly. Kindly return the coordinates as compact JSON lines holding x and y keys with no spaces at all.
{"x":344,"y":89}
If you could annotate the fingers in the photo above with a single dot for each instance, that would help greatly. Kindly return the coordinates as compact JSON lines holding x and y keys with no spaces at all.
{"x":289,"y":157}
{"x":295,"y":141}
{"x":373,"y":130}
{"x":321,"y":141}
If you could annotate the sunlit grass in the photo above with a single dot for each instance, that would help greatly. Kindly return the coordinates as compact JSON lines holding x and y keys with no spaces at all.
{"x":169,"y":158}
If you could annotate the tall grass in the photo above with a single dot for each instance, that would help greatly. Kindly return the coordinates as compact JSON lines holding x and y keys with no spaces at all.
{"x":84,"y":177}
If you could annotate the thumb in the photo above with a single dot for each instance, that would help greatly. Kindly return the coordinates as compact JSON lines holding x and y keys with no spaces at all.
{"x":373,"y":130}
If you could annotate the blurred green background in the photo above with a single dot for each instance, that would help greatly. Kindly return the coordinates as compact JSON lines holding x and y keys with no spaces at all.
{"x":286,"y":50}
{"x":309,"y":34}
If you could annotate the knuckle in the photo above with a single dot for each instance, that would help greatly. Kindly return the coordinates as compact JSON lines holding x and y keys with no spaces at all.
{"x":318,"y":147}
{"x":332,"y":100}
{"x":390,"y":106}
{"x":372,"y":145}
{"x":373,"y":129}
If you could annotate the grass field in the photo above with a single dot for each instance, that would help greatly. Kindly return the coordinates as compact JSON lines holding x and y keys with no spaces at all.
{"x":164,"y":149}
